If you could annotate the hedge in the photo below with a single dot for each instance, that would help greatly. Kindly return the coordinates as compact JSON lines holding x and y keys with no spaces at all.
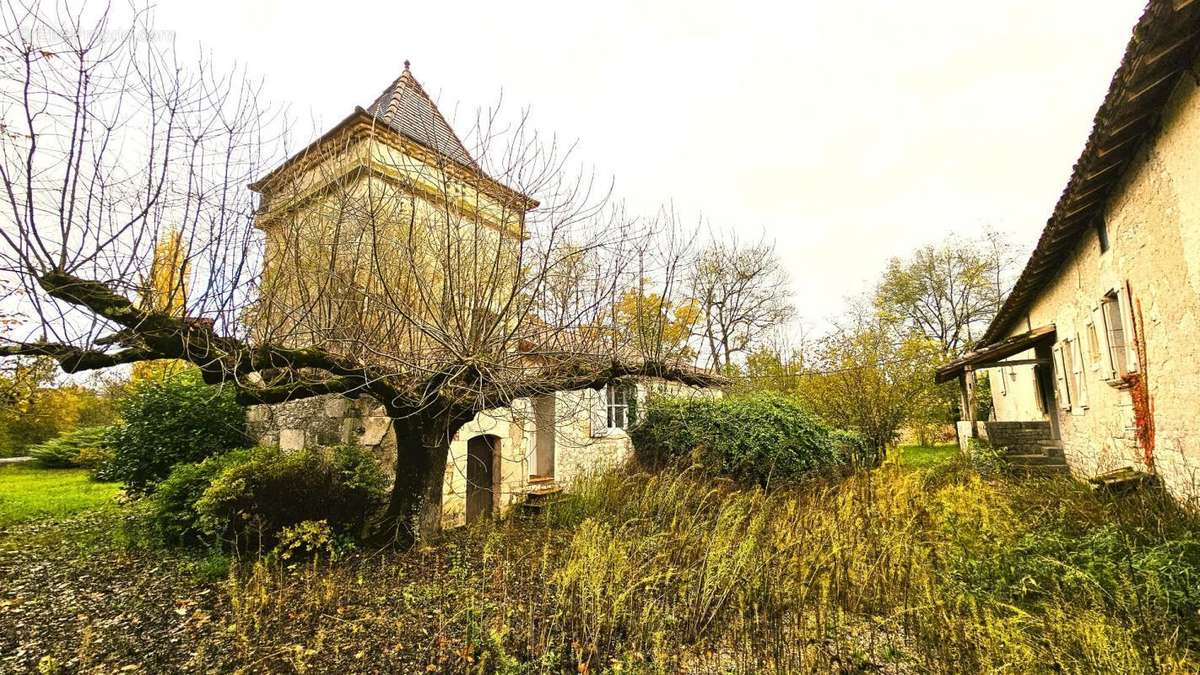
{"x":759,"y":438}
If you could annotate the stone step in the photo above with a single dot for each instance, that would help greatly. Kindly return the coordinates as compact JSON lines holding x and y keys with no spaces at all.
{"x":1049,"y":450}
{"x":1038,"y":459}
{"x":543,"y":493}
{"x":534,"y":507}
{"x":1031,"y":470}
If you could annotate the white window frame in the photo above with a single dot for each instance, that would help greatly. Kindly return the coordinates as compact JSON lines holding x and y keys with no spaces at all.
{"x":616,"y":406}
{"x":610,"y":408}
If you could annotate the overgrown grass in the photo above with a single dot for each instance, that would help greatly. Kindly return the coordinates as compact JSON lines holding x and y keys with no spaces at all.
{"x":928,"y":570}
{"x":30,"y":492}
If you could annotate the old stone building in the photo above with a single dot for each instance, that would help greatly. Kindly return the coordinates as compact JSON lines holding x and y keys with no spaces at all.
{"x":367,"y":211}
{"x":1097,"y":349}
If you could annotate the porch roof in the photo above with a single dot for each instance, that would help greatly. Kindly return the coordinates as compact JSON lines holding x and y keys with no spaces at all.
{"x":990,"y":355}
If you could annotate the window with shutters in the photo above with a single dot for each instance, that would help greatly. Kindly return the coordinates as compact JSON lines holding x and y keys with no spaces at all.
{"x":1121,"y":355}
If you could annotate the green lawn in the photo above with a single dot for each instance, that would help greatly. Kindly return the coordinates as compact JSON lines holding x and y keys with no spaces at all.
{"x":30,"y":492}
{"x":925,"y":456}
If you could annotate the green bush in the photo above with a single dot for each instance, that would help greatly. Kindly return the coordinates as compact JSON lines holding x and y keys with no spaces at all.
{"x":173,"y":516}
{"x":82,"y":447}
{"x":250,"y":503}
{"x":173,"y":421}
{"x":759,"y":439}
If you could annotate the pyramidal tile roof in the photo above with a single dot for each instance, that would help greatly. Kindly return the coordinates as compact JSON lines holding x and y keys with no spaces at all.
{"x":405,"y":107}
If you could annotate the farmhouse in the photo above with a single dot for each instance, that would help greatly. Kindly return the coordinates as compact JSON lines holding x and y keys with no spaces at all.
{"x":358,"y":194}
{"x":1094,"y":359}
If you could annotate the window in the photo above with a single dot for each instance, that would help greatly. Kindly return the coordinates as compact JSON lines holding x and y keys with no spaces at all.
{"x":1116,"y":333}
{"x":618,"y":406}
{"x":1119,"y":351}
{"x":1102,"y":235}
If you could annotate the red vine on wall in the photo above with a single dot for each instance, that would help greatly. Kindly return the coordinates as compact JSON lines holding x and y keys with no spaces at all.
{"x":1139,"y":384}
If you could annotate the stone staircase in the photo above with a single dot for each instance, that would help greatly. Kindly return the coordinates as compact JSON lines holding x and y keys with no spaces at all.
{"x":1029,"y":447}
{"x":542,"y":492}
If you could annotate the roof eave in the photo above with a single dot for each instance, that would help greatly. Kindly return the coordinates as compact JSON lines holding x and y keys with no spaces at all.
{"x":525,"y":202}
{"x":1165,"y":43}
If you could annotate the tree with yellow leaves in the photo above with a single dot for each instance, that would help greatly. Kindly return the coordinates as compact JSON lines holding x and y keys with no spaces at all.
{"x":164,"y":291}
{"x":656,"y":325}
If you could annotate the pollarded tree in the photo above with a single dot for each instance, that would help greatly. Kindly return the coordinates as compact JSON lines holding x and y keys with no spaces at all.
{"x":383,"y":260}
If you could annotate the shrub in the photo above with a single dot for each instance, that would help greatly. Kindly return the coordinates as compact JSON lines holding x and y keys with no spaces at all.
{"x":251,"y":502}
{"x":173,"y":421}
{"x":82,"y":447}
{"x":758,"y":438}
{"x":173,"y":516}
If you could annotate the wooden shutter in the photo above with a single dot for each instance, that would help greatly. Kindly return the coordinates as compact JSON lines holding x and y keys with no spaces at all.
{"x":1108,"y":369}
{"x":1080,"y":382}
{"x":1124,"y":306}
{"x":597,"y":408}
{"x":1061,"y":388}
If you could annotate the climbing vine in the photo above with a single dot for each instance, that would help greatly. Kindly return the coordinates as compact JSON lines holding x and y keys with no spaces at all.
{"x":1139,"y":385}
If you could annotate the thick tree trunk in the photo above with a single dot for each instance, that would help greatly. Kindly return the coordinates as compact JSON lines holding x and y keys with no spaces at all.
{"x":414,"y":512}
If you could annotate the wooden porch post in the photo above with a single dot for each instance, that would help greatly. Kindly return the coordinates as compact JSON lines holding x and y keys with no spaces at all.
{"x":967,"y":392}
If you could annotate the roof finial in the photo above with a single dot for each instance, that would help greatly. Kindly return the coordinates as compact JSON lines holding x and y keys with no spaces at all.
{"x":406,"y":64}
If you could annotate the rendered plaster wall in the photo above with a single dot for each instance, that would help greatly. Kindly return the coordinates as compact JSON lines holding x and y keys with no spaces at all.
{"x":1153,"y":224}
{"x":1014,"y":391}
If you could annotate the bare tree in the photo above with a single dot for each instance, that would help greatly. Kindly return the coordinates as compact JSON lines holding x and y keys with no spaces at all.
{"x":949,"y":293}
{"x":383,"y":260}
{"x":742,"y":291}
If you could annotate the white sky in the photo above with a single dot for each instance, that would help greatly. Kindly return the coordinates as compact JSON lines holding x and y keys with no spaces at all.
{"x":848,"y":132}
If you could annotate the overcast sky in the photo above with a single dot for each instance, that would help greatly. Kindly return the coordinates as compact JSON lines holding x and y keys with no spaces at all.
{"x":848,"y":132}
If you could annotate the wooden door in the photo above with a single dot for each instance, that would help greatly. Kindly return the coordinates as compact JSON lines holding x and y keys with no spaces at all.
{"x":543,"y":424}
{"x":482,"y":453}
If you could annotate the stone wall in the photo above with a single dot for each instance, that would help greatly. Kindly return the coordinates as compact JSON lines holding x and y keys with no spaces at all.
{"x":323,"y":421}
{"x":1018,"y":434}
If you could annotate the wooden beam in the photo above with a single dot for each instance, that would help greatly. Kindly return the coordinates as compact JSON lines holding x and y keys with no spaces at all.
{"x":1093,"y":175}
{"x":1131,"y":97}
{"x":1186,"y":39}
{"x":1129,"y":122}
{"x":1014,"y":362}
{"x":1118,"y":145}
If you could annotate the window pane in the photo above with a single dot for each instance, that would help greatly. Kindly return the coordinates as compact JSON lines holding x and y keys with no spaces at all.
{"x":1116,"y":334}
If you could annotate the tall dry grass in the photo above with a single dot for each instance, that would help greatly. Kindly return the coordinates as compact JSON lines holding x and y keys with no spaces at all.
{"x":893,"y":569}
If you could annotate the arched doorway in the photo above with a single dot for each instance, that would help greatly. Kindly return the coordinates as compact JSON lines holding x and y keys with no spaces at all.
{"x":483,"y":455}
